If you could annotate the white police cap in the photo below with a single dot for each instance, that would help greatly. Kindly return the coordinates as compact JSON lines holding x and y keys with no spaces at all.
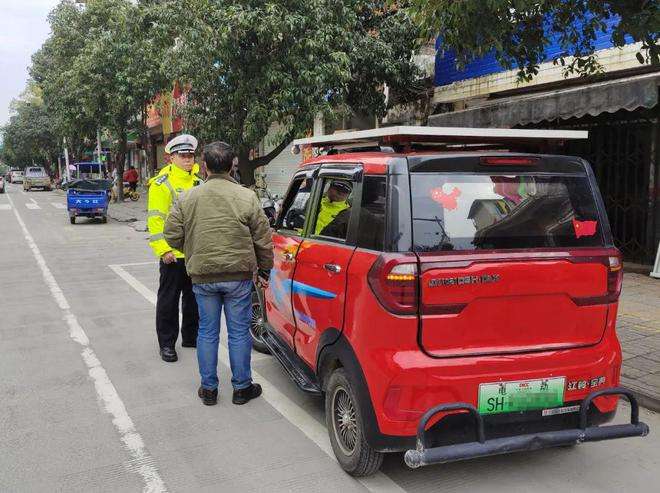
{"x":183,"y":143}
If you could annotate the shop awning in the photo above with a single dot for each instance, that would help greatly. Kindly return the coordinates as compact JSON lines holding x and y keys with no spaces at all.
{"x":602,"y":97}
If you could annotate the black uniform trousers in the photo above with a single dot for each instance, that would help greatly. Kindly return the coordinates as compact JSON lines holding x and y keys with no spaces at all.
{"x":174,"y":284}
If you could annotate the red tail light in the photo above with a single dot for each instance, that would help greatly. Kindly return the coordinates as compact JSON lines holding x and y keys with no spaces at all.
{"x":614,"y":267}
{"x":393,"y":279}
{"x":614,"y":277}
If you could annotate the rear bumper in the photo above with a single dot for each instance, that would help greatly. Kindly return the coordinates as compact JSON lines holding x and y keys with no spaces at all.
{"x":426,"y":454}
{"x":415,"y":382}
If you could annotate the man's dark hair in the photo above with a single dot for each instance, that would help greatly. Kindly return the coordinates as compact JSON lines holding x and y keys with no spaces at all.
{"x":219,"y":157}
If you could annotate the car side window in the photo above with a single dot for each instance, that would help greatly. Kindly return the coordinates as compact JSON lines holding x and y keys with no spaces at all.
{"x":371,"y":221}
{"x":294,"y":208}
{"x":333,"y":211}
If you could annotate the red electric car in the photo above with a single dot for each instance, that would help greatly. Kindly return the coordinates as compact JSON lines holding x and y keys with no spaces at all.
{"x":461,"y":302}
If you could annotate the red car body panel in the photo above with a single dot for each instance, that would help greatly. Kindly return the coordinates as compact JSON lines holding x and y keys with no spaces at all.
{"x":316,"y":312}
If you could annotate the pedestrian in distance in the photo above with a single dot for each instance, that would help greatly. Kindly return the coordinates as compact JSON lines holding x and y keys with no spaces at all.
{"x":226,"y":238}
{"x":174,"y":284}
{"x":131,"y":176}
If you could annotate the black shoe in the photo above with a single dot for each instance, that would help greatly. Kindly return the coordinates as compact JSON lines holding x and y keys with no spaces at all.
{"x":168,"y":354}
{"x":189,"y":344}
{"x":209,"y":397}
{"x":242,"y":396}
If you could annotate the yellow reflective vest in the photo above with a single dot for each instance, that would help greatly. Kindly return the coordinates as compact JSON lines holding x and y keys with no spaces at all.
{"x":328,"y":212}
{"x":163,"y":191}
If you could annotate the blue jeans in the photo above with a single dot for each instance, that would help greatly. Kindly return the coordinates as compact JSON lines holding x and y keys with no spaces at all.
{"x":236,"y":296}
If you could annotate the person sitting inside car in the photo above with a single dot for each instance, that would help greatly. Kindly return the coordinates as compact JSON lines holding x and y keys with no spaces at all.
{"x":334,"y":201}
{"x":371,"y":226}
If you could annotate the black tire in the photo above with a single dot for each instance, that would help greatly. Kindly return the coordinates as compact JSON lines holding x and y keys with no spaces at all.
{"x":135,"y":197}
{"x":72,"y":219}
{"x":104,"y":219}
{"x":343,"y":418}
{"x":257,"y":325}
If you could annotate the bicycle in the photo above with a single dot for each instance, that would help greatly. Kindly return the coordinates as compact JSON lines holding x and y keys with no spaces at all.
{"x":134,"y":195}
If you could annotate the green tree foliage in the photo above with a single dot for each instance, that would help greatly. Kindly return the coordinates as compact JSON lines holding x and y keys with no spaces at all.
{"x":250,"y":64}
{"x":100,"y":67}
{"x":28,"y":137}
{"x":247,"y":65}
{"x":54,"y":71}
{"x":518,"y":31}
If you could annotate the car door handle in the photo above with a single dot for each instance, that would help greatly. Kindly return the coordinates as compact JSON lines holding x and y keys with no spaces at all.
{"x":289,"y":257}
{"x":334,"y":268}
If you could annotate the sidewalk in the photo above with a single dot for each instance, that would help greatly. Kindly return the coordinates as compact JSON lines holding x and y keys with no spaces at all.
{"x":638,"y":326}
{"x":638,"y":322}
{"x":131,"y":212}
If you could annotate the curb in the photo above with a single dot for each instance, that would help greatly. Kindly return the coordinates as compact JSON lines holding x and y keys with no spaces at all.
{"x":645,"y":400}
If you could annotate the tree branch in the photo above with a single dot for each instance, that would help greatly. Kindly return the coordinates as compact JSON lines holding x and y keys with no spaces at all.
{"x":264,"y":160}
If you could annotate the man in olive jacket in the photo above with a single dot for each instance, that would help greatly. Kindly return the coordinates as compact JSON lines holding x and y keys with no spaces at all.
{"x":226,"y":239}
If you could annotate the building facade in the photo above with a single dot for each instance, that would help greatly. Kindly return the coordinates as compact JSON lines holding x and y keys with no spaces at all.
{"x":619,"y":107}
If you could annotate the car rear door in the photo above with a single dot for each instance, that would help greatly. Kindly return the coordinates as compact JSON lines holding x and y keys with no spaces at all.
{"x":319,"y":284}
{"x":513,"y":257}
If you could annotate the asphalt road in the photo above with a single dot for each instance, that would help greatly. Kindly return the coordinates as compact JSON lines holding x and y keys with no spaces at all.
{"x":87,"y":405}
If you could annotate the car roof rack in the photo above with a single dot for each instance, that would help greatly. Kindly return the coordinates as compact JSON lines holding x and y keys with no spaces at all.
{"x":451,"y":138}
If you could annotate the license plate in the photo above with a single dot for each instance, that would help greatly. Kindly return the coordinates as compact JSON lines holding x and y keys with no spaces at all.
{"x":523,"y":395}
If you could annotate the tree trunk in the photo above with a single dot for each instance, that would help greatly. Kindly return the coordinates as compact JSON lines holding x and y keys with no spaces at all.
{"x":119,"y":163}
{"x":147,"y":144}
{"x":247,"y":167}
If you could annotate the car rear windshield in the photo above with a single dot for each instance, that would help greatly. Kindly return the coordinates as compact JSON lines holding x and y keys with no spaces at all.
{"x":503,"y":211}
{"x":35,"y":172}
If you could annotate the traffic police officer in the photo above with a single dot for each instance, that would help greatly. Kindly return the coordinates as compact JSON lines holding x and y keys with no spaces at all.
{"x":181,"y":174}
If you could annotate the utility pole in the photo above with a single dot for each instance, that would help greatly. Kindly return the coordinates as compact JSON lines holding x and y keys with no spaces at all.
{"x":98,"y":144}
{"x":66,"y":160}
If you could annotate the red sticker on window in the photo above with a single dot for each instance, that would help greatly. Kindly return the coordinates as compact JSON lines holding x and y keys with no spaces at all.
{"x":584,"y":228}
{"x":447,"y":200}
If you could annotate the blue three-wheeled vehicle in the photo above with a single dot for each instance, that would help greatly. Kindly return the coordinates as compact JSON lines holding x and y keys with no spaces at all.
{"x":88,"y":191}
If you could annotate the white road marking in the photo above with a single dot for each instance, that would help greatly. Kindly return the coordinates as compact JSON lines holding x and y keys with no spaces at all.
{"x":32,"y":204}
{"x":153,"y":262}
{"x":58,"y":205}
{"x":148,"y":294}
{"x":295,"y":414}
{"x":140,"y":461}
{"x":5,"y":207}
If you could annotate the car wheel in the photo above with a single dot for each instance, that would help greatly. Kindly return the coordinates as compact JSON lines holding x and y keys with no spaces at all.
{"x":257,"y":325}
{"x":104,"y":219}
{"x":346,"y":428}
{"x":72,"y":219}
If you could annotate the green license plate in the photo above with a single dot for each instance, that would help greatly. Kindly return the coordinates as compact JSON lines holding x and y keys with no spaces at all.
{"x":524,"y":395}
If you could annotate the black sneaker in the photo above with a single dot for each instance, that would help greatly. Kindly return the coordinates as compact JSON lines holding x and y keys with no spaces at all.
{"x":209,"y":397}
{"x":168,"y":354}
{"x":242,"y":396}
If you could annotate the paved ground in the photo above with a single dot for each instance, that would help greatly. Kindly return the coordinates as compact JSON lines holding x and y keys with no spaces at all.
{"x":638,"y":326}
{"x":86,"y":405}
